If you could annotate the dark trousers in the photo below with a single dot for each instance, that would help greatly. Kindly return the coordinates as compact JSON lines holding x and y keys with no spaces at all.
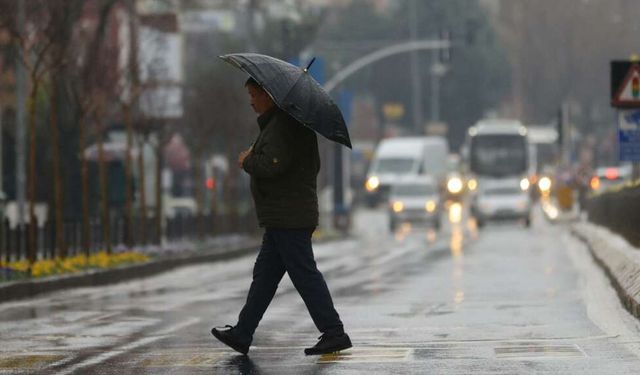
{"x":288,"y":250}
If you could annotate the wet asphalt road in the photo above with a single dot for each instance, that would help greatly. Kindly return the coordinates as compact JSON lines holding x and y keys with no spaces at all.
{"x":506,"y":300}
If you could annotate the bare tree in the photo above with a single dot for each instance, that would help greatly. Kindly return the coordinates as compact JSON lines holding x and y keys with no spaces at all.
{"x":41,"y":45}
{"x":549,"y":43}
{"x":92,"y":77}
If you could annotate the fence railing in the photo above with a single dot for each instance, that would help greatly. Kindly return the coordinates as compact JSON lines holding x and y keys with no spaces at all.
{"x":14,"y":240}
{"x":619,"y":211}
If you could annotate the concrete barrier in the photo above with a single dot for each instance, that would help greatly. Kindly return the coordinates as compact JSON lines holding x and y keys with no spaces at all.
{"x":619,"y":259}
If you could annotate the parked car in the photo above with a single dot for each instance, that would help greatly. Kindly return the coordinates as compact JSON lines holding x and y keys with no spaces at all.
{"x":501,"y":200}
{"x":605,"y":177}
{"x":414,"y":199}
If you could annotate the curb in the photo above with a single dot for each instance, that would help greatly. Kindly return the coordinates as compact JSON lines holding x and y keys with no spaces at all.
{"x":620,"y":261}
{"x":30,"y":288}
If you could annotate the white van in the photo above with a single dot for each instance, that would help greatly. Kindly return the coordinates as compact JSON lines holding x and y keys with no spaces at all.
{"x":399,"y":157}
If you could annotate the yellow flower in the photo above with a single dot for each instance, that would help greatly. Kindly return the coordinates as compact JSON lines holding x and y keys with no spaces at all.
{"x":22,"y":265}
{"x":45,"y":267}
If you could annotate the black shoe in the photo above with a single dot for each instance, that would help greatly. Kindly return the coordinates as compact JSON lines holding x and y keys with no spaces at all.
{"x":231,"y":338}
{"x":330,"y":344}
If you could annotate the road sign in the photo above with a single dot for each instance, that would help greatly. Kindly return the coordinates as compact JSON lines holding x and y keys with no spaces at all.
{"x":625,"y":84}
{"x":629,"y":135}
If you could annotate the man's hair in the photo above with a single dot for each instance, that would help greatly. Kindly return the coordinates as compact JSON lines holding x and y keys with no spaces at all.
{"x":252,"y":82}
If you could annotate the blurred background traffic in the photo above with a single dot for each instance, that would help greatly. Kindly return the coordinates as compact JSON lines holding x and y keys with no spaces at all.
{"x":120,"y":125}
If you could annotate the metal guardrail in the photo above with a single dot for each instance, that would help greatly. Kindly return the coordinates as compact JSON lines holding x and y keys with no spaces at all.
{"x":14,"y":242}
{"x":618,"y":210}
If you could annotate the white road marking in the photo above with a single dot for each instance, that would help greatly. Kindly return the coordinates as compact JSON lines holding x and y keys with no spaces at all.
{"x":130,"y":346}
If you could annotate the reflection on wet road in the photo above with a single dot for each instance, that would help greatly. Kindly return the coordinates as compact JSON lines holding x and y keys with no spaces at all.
{"x":502,"y":300}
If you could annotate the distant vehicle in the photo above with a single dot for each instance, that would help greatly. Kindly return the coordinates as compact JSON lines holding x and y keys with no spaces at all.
{"x":400,"y":157}
{"x":456,"y":187}
{"x":606,"y":177}
{"x":414,"y":199}
{"x":497,"y":155}
{"x":361,"y":156}
{"x":543,"y":155}
{"x":501,"y":200}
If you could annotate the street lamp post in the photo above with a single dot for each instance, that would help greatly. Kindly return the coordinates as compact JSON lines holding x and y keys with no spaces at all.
{"x":416,"y":77}
{"x":437,"y":71}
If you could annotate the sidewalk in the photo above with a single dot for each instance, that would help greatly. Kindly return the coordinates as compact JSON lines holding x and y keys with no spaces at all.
{"x":619,"y":259}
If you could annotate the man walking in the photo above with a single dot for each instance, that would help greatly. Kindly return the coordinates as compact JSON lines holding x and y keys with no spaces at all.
{"x":283,"y":164}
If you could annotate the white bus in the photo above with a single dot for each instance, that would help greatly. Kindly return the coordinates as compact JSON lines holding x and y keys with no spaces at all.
{"x":497,"y":161}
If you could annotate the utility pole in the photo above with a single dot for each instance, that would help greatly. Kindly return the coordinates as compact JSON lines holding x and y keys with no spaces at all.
{"x":435,"y":88}
{"x":416,"y":78}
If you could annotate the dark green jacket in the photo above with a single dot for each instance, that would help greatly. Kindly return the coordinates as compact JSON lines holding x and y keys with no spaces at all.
{"x":283,"y":166}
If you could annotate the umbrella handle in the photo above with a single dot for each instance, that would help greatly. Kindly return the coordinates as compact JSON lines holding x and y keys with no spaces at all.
{"x":310,"y":63}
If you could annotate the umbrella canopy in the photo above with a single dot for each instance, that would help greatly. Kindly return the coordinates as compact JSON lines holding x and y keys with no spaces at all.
{"x":295,"y":92}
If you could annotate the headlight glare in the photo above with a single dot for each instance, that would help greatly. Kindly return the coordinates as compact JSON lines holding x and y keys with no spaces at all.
{"x":454,"y":185}
{"x":430,"y":206}
{"x":372,"y":183}
{"x":397,"y":206}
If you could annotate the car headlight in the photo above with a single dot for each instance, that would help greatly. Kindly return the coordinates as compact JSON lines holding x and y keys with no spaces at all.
{"x":524,"y":184}
{"x":430,"y":206}
{"x":544,"y":184}
{"x":372,"y":183}
{"x":472,"y":184}
{"x":454,"y":185}
{"x":397,"y":206}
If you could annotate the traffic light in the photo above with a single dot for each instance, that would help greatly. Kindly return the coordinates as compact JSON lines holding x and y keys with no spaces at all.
{"x":211,"y":183}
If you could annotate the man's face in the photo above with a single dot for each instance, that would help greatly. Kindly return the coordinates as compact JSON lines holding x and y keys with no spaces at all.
{"x":261,"y":102}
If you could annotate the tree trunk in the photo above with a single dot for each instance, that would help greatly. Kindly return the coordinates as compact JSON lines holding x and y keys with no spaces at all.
{"x":214,"y":204}
{"x":84,"y":175}
{"x":57,"y":178}
{"x":142,"y":229}
{"x":31,"y":251}
{"x":104,"y":192}
{"x":159,"y":208}
{"x":199,"y":186}
{"x":129,"y":178}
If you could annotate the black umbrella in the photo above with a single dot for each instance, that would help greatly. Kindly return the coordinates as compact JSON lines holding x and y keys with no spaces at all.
{"x":296,"y":92}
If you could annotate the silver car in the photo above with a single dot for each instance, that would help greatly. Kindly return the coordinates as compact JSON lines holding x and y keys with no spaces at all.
{"x":501,"y":201}
{"x":414,"y":199}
